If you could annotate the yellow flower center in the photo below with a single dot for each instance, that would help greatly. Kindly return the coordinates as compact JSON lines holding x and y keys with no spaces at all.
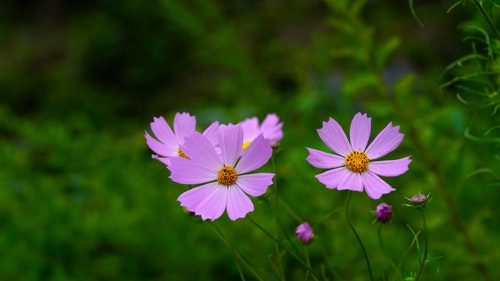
{"x":245,"y":145}
{"x":357,"y":161}
{"x":227,"y":176}
{"x":181,"y":153}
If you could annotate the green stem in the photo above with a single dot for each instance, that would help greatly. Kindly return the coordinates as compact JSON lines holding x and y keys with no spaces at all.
{"x":430,"y":162}
{"x":357,"y":236}
{"x":490,"y":22}
{"x":412,"y":10}
{"x":289,"y":209}
{"x":380,"y":242}
{"x":236,"y":255}
{"x":426,"y":248}
{"x":276,"y":245}
{"x":315,"y":276}
{"x":308,"y":262}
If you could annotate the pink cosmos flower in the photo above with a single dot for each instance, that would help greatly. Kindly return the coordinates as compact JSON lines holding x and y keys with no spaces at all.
{"x":270,"y":128}
{"x":352,"y":167}
{"x":166,"y":143}
{"x":225,"y":179}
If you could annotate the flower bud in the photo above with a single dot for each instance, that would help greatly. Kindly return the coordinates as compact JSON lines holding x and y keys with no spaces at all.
{"x":418,"y":200}
{"x":274,"y":145}
{"x":383,"y":212}
{"x":304,"y":233}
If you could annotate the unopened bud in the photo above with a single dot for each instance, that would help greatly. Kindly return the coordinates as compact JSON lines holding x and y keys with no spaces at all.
{"x":418,"y":200}
{"x":383,"y":212}
{"x":304,"y":233}
{"x":274,"y":145}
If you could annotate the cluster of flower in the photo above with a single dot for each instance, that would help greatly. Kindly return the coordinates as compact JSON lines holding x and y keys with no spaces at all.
{"x":221,"y":158}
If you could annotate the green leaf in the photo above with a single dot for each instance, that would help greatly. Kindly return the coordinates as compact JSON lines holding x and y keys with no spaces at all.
{"x":359,"y":83}
{"x":386,"y":50}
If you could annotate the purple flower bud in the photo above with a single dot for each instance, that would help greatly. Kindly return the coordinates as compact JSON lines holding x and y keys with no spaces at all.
{"x":304,"y":233}
{"x":418,"y":200}
{"x":383,"y":212}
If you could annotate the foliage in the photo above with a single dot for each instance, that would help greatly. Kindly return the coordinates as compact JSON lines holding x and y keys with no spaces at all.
{"x":82,"y":199}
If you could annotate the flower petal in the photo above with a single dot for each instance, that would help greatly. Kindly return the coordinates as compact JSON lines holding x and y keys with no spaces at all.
{"x":184,"y":126}
{"x":271,"y":128}
{"x":386,"y":141}
{"x":360,"y":131}
{"x":163,"y":133}
{"x":324,"y":160}
{"x":160,"y":148}
{"x":238,"y":203}
{"x":334,"y":137}
{"x":230,"y":141}
{"x":255,"y":184}
{"x":200,"y":151}
{"x":211,"y":133}
{"x":353,"y":181}
{"x":375,"y":187}
{"x":185,"y":171}
{"x":390,"y":168}
{"x":332,"y":178}
{"x":164,"y":160}
{"x":250,"y":128}
{"x":208,"y":200}
{"x":255,"y":156}
{"x":202,"y":166}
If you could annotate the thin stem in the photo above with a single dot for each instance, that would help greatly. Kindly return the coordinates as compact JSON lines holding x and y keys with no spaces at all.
{"x":479,"y":5}
{"x":308,"y":262}
{"x":315,"y":276}
{"x":237,"y":256}
{"x":426,"y":248}
{"x":381,"y":243}
{"x":357,"y":236}
{"x":414,"y":14}
{"x":454,"y":217}
{"x":289,"y":209}
{"x":276,"y":245}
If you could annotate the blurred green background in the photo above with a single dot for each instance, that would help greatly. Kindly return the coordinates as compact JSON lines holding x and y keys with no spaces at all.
{"x":80,"y":81}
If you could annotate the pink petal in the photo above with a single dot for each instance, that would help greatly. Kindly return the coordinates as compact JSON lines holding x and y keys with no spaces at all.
{"x":208,"y":200}
{"x":164,"y":160}
{"x":230,"y":141}
{"x":255,"y":184}
{"x":184,"y":126}
{"x":160,"y":148}
{"x":333,"y":178}
{"x":386,"y":141}
{"x":390,"y":168}
{"x":360,"y":131}
{"x":238,"y":203}
{"x":201,"y":152}
{"x":255,"y":156}
{"x":353,"y":181}
{"x":193,"y":197}
{"x":185,"y":171}
{"x":375,"y":187}
{"x":250,"y":128}
{"x":334,"y":137}
{"x":323,"y":160}
{"x":163,"y":133}
{"x":271,"y":128}
{"x":212,"y":132}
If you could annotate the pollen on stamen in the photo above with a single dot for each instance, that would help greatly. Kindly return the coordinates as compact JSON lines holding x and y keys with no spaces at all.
{"x":181,"y":153}
{"x":245,"y":145}
{"x":357,"y":161}
{"x":227,"y":176}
